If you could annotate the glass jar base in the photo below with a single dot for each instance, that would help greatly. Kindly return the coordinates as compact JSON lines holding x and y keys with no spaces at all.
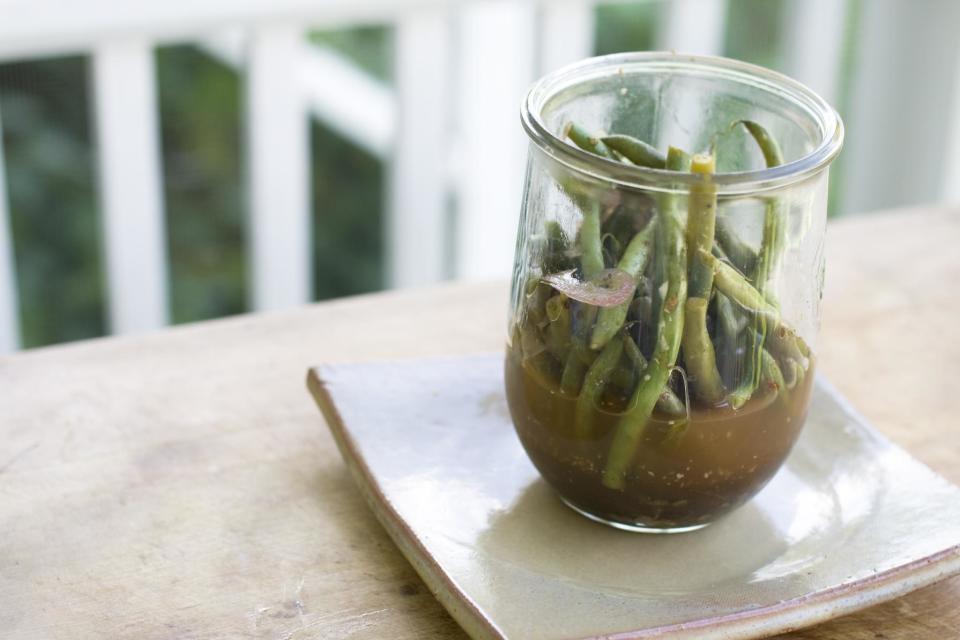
{"x":634,"y":527}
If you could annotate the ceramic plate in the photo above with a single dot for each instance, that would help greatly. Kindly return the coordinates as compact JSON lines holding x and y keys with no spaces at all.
{"x":849,"y":521}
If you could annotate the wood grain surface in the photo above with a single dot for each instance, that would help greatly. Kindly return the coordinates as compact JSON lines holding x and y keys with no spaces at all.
{"x":183,"y":484}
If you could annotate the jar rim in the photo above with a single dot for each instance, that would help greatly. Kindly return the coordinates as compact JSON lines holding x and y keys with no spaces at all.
{"x":730,"y":183}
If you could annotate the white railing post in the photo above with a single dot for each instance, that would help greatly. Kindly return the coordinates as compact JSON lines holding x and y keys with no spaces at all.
{"x":692,"y":26}
{"x":496,"y":66}
{"x":278,"y":157}
{"x":900,"y":108}
{"x":813,"y":43}
{"x":417,"y":208}
{"x":130,"y":184}
{"x":566,"y":33}
{"x":9,"y":308}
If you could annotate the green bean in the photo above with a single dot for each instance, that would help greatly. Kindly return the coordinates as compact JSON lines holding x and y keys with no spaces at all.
{"x":531,"y":343}
{"x":593,"y":383}
{"x":735,"y":286}
{"x":591,"y":245}
{"x":793,"y":373}
{"x":678,"y":161}
{"x":768,"y":145}
{"x":738,"y":252}
{"x":633,"y":261}
{"x":637,"y":151}
{"x":782,"y":341}
{"x":619,"y":156}
{"x":771,"y":246}
{"x":772,"y":376}
{"x":556,"y":248}
{"x":559,"y":327}
{"x":583,"y":139}
{"x":579,"y":357}
{"x":785,"y":344}
{"x":542,"y":369}
{"x":730,"y":322}
{"x":536,"y":295}
{"x":668,"y":402}
{"x":630,"y":426}
{"x":750,"y":378}
{"x":624,"y":377}
{"x":573,"y":372}
{"x":701,"y":224}
{"x":698,"y":352}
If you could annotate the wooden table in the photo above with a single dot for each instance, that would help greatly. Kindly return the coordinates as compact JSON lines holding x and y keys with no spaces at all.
{"x":183,"y":485}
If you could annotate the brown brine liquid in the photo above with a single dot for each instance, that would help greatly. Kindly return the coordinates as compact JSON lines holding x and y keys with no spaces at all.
{"x":683,"y":473}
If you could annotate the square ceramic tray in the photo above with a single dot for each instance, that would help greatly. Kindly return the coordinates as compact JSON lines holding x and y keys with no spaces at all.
{"x":849,"y":521}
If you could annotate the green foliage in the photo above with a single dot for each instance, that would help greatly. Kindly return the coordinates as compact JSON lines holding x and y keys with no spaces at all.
{"x":625,"y":27}
{"x":348,"y":197}
{"x":52,"y":196}
{"x":348,"y":187}
{"x":754,"y":31}
{"x":370,"y":47}
{"x":201,"y":125}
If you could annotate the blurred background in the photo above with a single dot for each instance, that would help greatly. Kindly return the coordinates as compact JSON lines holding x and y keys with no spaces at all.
{"x":171,"y":162}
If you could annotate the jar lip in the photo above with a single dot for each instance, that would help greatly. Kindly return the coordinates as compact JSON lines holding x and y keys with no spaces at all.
{"x":731,"y":183}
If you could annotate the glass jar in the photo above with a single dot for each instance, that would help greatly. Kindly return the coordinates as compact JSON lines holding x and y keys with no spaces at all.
{"x":665,"y":304}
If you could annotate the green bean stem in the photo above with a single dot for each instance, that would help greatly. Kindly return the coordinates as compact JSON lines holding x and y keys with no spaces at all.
{"x":698,"y":351}
{"x":633,"y":261}
{"x":630,"y":426}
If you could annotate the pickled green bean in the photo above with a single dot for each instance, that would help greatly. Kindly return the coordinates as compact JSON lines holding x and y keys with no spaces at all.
{"x":637,"y":151}
{"x":668,"y":402}
{"x":738,"y":252}
{"x":586,"y":141}
{"x":768,"y":145}
{"x":633,"y":261}
{"x":630,"y":426}
{"x":698,"y":351}
{"x":735,"y":286}
{"x":591,"y":245}
{"x":559,"y":328}
{"x":593,"y":383}
{"x":678,"y":161}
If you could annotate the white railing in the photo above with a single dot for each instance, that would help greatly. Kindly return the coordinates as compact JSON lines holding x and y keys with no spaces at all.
{"x":448,"y":126}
